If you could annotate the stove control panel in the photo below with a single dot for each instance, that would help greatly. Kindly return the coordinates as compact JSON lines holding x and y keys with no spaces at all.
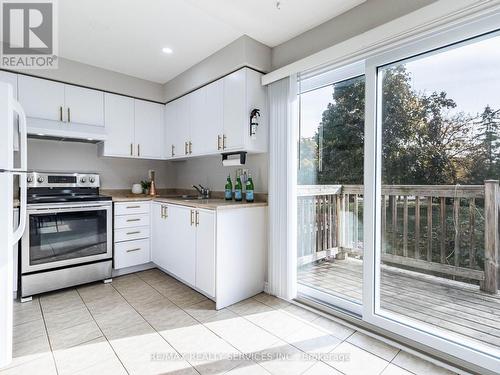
{"x":38,"y":179}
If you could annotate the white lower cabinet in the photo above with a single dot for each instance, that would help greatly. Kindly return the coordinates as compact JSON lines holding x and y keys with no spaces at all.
{"x":174,"y":233}
{"x":205,"y":252}
{"x":222,"y":254}
{"x":131,"y":234}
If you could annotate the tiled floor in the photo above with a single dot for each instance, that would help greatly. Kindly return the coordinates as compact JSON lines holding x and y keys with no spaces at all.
{"x":149,"y":323}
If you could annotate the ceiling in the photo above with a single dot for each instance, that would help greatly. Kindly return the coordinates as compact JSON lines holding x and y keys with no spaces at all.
{"x":127,"y":36}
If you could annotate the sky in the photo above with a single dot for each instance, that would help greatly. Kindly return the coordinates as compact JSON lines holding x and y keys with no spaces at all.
{"x":469,"y":74}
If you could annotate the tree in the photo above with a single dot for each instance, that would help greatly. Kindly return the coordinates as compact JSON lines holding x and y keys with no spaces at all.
{"x":422,"y":143}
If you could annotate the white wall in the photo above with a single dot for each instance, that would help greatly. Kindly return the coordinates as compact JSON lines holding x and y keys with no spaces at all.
{"x":244,"y":51}
{"x":116,"y":173}
{"x":87,"y":75}
{"x":209,"y":172}
{"x":358,"y":20}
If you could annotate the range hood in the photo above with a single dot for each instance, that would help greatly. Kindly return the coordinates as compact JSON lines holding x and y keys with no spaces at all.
{"x":64,"y":131}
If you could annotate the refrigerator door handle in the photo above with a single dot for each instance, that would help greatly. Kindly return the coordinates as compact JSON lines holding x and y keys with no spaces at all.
{"x":23,"y":143}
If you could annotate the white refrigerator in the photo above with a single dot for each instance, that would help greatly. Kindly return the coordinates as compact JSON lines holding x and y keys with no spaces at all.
{"x":9,"y":110}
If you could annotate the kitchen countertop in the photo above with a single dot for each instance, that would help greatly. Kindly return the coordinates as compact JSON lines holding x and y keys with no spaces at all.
{"x":167,"y":197}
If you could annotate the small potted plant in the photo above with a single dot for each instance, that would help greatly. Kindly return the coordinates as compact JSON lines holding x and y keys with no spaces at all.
{"x":145,"y":186}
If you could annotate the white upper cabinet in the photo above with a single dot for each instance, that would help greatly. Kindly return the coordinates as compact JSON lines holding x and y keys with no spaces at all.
{"x":206,"y":119}
{"x":235,"y":115}
{"x":149,"y":128}
{"x":216,"y":118}
{"x":119,"y":120}
{"x":84,"y":106}
{"x":135,"y":128}
{"x":243,"y":92}
{"x":41,"y":98}
{"x":177,"y":127}
{"x":198,"y":126}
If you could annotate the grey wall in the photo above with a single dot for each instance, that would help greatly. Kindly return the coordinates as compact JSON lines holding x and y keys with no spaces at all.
{"x":210,"y":172}
{"x":116,"y":173}
{"x":87,"y":75}
{"x":356,"y":21}
{"x":243,"y":51}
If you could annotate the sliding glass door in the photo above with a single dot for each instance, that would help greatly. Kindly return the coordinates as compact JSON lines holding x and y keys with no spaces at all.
{"x":398,"y":191}
{"x":433,"y":154}
{"x":330,"y":187}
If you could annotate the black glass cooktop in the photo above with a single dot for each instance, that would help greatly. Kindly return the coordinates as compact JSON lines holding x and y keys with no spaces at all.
{"x":61,"y":195}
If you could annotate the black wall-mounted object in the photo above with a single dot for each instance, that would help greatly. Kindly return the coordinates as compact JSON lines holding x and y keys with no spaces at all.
{"x":254,"y":121}
{"x":242,"y":155}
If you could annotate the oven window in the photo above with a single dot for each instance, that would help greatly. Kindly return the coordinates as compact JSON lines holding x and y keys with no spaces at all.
{"x":62,"y":236}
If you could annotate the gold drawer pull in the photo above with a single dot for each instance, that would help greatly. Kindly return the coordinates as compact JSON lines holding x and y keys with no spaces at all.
{"x":129,"y":220}
{"x":136,"y":232}
{"x":131,"y":250}
{"x":133,"y":206}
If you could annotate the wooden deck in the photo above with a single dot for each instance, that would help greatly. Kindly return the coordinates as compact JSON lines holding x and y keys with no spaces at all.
{"x":457,"y":307}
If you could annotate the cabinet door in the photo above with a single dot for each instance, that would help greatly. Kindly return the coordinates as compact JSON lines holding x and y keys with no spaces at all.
{"x":12,"y":79}
{"x":149,"y":138}
{"x":169,"y":124}
{"x":182,"y":128}
{"x":197,"y":121}
{"x":207,"y":119}
{"x":205,"y":252}
{"x":41,"y":98}
{"x":84,"y":106}
{"x":119,"y":122}
{"x":235,"y":116}
{"x":182,"y":244}
{"x":158,"y":236}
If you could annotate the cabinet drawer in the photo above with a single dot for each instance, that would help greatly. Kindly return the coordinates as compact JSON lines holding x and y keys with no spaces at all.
{"x":129,"y":234}
{"x":129,"y":221}
{"x":132,"y":208}
{"x":131,"y":253}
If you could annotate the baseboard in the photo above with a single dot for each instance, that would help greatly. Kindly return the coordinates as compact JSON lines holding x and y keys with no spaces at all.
{"x":125,"y":271}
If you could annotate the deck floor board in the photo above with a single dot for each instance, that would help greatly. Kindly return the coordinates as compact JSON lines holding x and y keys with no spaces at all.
{"x":457,"y":307}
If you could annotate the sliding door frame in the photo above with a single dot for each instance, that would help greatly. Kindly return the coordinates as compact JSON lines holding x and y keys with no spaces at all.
{"x":314,"y":80}
{"x":441,"y":340}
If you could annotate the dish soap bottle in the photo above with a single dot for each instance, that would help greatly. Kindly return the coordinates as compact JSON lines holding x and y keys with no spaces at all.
{"x":238,"y":195}
{"x":249,"y":189}
{"x":228,"y":192}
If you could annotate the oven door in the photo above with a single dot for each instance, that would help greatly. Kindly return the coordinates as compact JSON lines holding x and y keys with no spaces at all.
{"x":64,"y":234}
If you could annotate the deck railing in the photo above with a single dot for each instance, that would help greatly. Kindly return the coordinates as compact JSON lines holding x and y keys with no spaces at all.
{"x":441,"y":229}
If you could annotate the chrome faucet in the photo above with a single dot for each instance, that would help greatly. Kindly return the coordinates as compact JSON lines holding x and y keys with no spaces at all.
{"x":203,"y":191}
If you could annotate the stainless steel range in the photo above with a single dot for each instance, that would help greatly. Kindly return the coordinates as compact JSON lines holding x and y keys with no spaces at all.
{"x":68,"y":237}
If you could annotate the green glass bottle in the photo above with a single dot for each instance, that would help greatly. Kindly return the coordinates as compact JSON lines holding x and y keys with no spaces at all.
{"x":228,"y":192}
{"x":249,"y":189}
{"x":238,"y":187}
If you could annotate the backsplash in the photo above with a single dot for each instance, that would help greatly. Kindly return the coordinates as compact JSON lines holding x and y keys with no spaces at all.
{"x":116,"y":173}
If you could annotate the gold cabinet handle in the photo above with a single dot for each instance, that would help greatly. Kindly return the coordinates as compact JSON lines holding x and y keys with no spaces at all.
{"x":162,"y":212}
{"x":185,"y":148}
{"x":60,"y":114}
{"x":224,"y":142}
{"x":134,"y":232}
{"x":190,"y":147}
{"x":192,"y":217}
{"x":166,"y":212}
{"x":69,"y":115}
{"x":138,"y":150}
{"x":129,"y":207}
{"x":130,"y":220}
{"x":131,"y":250}
{"x":218,"y":142}
{"x":173,"y":150}
{"x":197,"y":218}
{"x":131,"y":149}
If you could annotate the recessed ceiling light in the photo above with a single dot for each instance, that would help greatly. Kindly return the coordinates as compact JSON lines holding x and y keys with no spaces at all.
{"x":167,"y":50}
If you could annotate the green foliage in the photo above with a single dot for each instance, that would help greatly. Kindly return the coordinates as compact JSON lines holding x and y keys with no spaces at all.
{"x":422,"y":143}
